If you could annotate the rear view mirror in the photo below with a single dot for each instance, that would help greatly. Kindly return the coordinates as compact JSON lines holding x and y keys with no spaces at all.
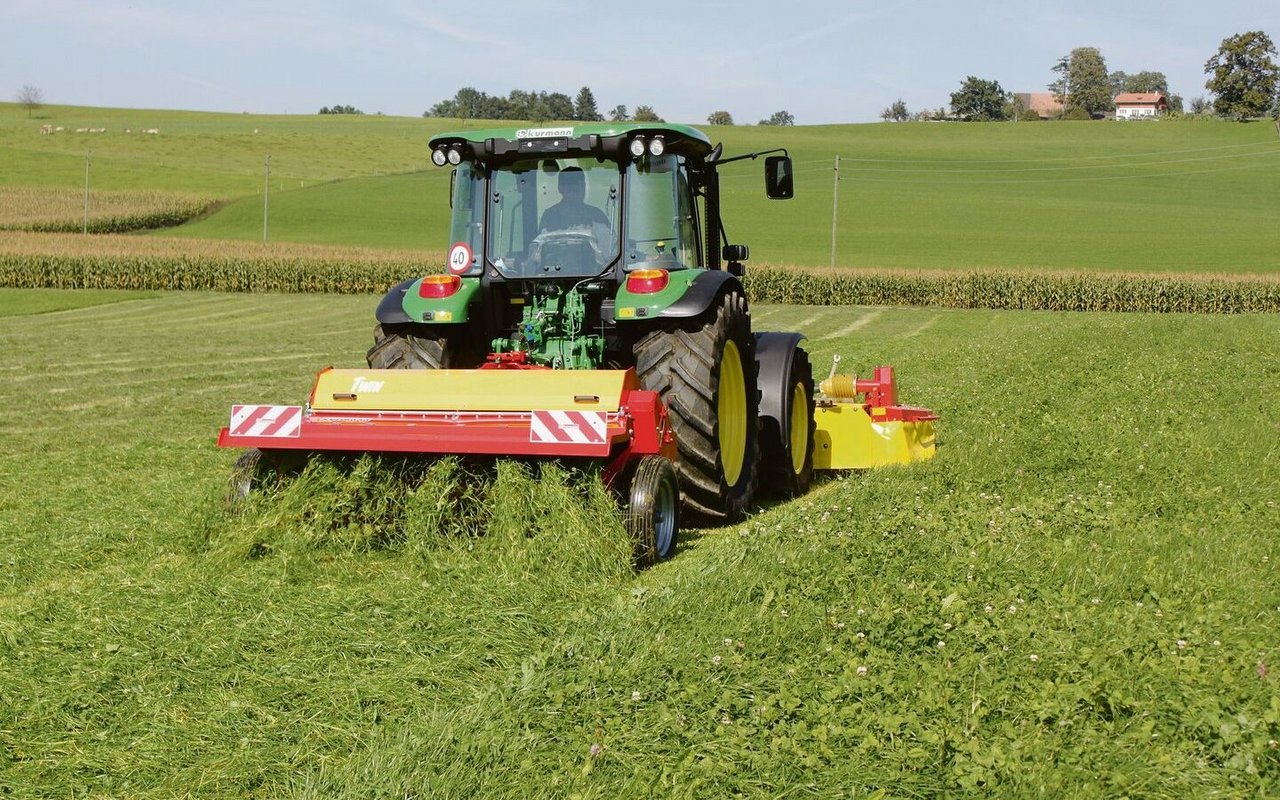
{"x":778,"y":181}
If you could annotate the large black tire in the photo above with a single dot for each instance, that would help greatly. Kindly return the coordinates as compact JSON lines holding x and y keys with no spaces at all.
{"x":701,"y":367}
{"x":410,"y":347}
{"x":786,"y":450}
{"x":653,"y":511}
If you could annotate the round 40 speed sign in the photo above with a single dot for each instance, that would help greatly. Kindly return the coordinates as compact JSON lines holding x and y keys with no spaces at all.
{"x":460,"y":258}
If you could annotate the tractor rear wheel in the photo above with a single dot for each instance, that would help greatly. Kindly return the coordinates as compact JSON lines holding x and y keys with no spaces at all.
{"x":653,"y":511}
{"x":410,"y":347}
{"x":705,"y":370}
{"x":787,"y":450}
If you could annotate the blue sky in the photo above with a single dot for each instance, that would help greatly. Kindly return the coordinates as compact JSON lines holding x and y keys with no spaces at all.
{"x":825,"y":62}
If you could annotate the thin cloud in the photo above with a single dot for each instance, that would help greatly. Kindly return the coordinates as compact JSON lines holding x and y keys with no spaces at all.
{"x":432,"y":22}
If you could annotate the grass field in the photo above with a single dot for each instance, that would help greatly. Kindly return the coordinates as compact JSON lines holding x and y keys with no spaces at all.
{"x":1077,"y":597}
{"x":1178,"y":196}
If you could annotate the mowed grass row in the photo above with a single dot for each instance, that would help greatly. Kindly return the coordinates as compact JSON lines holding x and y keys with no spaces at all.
{"x":1189,"y":195}
{"x":77,"y":262}
{"x":1076,"y":597}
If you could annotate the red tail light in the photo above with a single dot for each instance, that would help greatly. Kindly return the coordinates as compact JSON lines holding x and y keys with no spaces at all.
{"x":647,"y":281}
{"x":437,"y":286}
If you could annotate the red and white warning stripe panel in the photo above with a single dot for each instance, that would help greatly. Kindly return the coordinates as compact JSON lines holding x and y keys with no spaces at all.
{"x":277,"y":422}
{"x":568,"y":427}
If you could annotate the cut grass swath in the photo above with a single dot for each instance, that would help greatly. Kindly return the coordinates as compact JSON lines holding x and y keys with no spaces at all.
{"x":544,"y":513}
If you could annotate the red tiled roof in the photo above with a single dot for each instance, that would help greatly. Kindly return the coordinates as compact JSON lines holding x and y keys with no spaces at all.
{"x":1140,"y":98}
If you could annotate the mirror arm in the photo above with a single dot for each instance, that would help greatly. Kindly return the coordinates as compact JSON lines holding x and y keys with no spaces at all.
{"x":752,"y":156}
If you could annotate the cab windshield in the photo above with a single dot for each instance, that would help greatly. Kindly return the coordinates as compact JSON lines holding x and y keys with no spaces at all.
{"x":552,"y":217}
{"x":661,"y":225}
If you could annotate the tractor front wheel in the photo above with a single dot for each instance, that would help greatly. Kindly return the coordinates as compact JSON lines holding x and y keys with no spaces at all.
{"x":787,"y":449}
{"x":653,"y":511}
{"x":256,"y":469}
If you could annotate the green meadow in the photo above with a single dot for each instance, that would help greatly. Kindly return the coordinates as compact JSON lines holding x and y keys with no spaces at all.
{"x":1076,"y":598}
{"x":1180,"y":195}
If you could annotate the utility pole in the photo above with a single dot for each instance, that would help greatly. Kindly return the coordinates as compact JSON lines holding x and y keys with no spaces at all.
{"x":87,"y":157}
{"x":266,"y":193}
{"x":835,"y":204}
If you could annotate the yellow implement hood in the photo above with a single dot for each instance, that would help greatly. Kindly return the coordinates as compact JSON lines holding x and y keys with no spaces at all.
{"x":469,"y":390}
{"x":847,"y":437}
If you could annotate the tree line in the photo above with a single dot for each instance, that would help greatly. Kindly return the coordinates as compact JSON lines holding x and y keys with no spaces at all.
{"x":1243,"y":77}
{"x":471,"y":103}
{"x":539,"y":106}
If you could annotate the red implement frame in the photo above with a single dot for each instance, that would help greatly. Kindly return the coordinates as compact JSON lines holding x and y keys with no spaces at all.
{"x":639,"y":427}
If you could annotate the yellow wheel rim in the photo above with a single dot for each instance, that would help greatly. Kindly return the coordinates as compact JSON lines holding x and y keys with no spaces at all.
{"x":731,"y":413}
{"x":799,"y":427}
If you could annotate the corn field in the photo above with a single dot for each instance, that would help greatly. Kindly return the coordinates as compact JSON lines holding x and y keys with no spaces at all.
{"x":69,"y":261}
{"x":1025,"y":290}
{"x":66,"y":261}
{"x":51,"y":210}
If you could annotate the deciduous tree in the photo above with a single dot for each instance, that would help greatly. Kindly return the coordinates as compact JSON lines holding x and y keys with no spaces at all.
{"x":1146,"y":81}
{"x":30,"y":98}
{"x":1082,"y":81}
{"x":719,"y":118}
{"x":1243,"y":75}
{"x":619,"y":114}
{"x":980,"y":100}
{"x":556,"y":105}
{"x":646,"y":114}
{"x":469,"y":103}
{"x":780,"y":118}
{"x":896,"y":112}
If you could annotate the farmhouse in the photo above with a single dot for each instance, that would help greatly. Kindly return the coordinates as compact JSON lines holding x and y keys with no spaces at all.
{"x":1141,"y":105}
{"x":1046,"y":104}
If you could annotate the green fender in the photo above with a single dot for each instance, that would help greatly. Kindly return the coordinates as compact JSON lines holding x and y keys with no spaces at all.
{"x":690,"y":292}
{"x":404,"y":304}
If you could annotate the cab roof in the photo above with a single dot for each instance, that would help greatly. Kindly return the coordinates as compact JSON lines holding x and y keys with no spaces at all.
{"x":600,"y":138}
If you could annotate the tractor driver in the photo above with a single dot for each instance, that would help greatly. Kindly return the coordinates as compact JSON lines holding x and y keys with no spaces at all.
{"x":572,"y":211}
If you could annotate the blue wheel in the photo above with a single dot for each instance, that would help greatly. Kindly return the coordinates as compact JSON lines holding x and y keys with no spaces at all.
{"x":653,"y":511}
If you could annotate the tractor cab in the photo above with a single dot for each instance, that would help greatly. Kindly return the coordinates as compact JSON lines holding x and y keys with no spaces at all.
{"x":564,"y":243}
{"x":591,"y":201}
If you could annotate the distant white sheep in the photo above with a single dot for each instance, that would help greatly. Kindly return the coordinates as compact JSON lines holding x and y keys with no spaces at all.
{"x":151,"y":130}
{"x":46,"y":129}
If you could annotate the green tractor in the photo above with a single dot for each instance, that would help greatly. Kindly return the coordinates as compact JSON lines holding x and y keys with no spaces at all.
{"x":601,"y":247}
